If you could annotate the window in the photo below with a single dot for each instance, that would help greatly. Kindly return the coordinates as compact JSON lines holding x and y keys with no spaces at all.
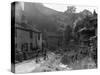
{"x":38,"y":36}
{"x":24,"y":47}
{"x":31,"y":35}
{"x":16,"y":45}
{"x":15,"y":32}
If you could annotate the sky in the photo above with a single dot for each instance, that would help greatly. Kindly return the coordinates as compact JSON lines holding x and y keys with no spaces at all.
{"x":63,"y":7}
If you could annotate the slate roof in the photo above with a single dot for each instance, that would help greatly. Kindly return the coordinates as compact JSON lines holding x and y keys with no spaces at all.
{"x":26,"y":27}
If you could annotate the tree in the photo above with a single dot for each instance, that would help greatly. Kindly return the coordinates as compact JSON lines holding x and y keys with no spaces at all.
{"x":70,"y":9}
{"x":68,"y":34}
{"x":86,"y":12}
{"x":70,"y":15}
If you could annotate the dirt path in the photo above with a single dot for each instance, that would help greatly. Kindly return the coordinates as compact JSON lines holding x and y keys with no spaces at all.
{"x":26,"y":66}
{"x":53,"y":63}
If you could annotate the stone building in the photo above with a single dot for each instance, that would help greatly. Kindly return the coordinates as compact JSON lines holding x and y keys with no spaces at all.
{"x":27,"y":42}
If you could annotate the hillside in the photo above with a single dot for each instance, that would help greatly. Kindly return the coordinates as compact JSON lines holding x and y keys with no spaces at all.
{"x":41,"y":16}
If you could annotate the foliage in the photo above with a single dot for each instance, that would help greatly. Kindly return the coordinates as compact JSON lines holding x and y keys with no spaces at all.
{"x":70,"y":9}
{"x":68,"y":34}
